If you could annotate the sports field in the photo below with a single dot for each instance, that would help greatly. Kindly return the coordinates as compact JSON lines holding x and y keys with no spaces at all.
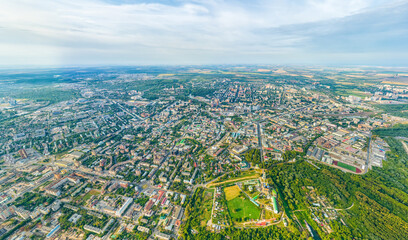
{"x":231,"y":192}
{"x":346,"y":166}
{"x":242,"y":209}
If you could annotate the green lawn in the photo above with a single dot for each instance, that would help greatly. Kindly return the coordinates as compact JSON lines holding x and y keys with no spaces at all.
{"x":242,"y":209}
{"x":353,"y":92}
{"x":90,"y":194}
{"x":346,"y":166}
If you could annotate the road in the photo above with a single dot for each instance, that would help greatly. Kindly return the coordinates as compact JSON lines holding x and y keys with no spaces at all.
{"x":260,"y":141}
{"x":228,"y":181}
{"x":342,"y":209}
{"x":312,"y":164}
{"x":328,"y":208}
{"x":212,"y":209}
{"x":123,"y":108}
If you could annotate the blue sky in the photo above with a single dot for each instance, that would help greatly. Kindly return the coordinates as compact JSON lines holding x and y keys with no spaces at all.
{"x":136,"y":32}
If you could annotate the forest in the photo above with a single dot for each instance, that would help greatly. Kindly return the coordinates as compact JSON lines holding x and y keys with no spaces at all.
{"x":399,"y":130}
{"x":253,"y":156}
{"x":399,"y":110}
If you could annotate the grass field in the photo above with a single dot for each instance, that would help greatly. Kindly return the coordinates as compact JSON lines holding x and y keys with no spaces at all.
{"x":346,"y":166}
{"x":270,"y":215}
{"x":231,"y":192}
{"x":242,"y":209}
{"x":90,"y":193}
{"x":347,"y":92}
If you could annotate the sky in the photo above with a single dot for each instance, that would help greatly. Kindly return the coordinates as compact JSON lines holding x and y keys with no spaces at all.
{"x":137,"y":32}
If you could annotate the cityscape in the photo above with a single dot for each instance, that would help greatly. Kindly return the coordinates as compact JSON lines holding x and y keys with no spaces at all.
{"x":204,"y":120}
{"x":195,"y":152}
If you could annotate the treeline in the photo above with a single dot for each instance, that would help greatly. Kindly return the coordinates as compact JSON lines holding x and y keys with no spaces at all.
{"x":12,"y":231}
{"x":399,"y":130}
{"x":399,"y":110}
{"x":51,"y":94}
{"x":289,"y":155}
{"x":232,"y":233}
{"x":193,"y":213}
{"x":201,"y":92}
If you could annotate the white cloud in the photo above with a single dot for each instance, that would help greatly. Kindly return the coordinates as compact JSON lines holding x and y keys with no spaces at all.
{"x":89,"y":30}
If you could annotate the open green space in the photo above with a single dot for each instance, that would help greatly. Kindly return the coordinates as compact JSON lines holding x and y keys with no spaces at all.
{"x":242,"y":209}
{"x":231,"y":181}
{"x":206,"y":206}
{"x":91,"y":193}
{"x":31,"y":200}
{"x":235,"y":177}
{"x":199,"y":209}
{"x":346,"y":166}
{"x":352,"y":92}
{"x":253,"y":156}
{"x":245,"y":173}
{"x":51,"y":94}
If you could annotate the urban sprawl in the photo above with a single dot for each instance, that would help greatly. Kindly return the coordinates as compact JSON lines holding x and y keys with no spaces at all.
{"x":126,"y":155}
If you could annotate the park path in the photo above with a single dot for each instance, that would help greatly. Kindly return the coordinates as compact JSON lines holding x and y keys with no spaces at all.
{"x":212,"y":184}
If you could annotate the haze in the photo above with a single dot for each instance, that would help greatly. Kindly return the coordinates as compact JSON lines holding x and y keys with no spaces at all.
{"x":96,"y":32}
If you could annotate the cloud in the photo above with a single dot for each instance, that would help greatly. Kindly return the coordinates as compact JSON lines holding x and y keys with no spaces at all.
{"x":58,"y":32}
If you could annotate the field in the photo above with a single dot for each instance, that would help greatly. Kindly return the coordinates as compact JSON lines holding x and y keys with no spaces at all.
{"x":394,"y":83}
{"x":231,"y":192}
{"x":353,"y":92}
{"x":242,"y":209}
{"x":346,"y":166}
{"x":89,"y":194}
